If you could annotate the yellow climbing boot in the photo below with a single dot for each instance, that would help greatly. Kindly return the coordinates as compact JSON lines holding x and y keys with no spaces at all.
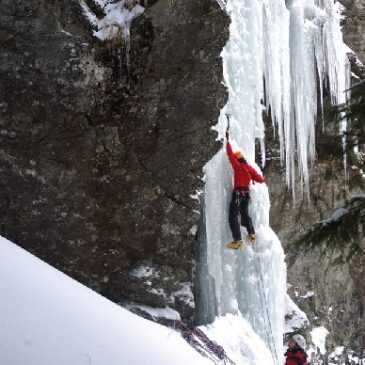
{"x":252,"y":238}
{"x":235,"y":245}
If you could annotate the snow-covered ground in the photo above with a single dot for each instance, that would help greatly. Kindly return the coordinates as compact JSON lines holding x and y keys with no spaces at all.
{"x":47,"y":318}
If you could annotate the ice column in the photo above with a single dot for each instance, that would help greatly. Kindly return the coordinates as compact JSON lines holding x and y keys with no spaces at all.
{"x":276,"y":52}
{"x":250,"y":282}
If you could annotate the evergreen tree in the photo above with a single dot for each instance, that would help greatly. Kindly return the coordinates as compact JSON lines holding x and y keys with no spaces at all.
{"x":344,"y":232}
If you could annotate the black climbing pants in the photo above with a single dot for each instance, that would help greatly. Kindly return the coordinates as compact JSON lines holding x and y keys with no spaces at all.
{"x":239,"y":206}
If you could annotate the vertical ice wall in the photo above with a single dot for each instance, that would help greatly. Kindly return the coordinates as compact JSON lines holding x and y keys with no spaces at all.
{"x":288,"y":51}
{"x":277,"y":52}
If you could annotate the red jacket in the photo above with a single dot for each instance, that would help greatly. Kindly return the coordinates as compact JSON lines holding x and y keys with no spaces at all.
{"x":243,"y":172}
{"x":296,"y":357}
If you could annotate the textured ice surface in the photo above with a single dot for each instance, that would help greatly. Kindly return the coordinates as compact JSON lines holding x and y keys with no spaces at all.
{"x":279,"y":56}
{"x":282,"y":54}
{"x":251,"y":281}
{"x":242,"y":345}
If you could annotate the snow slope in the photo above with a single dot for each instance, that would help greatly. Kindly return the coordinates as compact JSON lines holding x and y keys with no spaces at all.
{"x":47,"y":318}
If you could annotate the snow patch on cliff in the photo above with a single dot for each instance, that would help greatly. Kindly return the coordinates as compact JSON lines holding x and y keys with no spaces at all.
{"x":295,"y":317}
{"x":117,"y":20}
{"x":318,"y":336}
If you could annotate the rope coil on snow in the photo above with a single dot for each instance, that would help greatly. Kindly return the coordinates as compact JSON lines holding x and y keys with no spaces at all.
{"x":208,"y":348}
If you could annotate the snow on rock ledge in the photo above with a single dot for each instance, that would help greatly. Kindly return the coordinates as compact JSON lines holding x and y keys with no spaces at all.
{"x":318,"y":336}
{"x":295,"y":317}
{"x":117,"y":20}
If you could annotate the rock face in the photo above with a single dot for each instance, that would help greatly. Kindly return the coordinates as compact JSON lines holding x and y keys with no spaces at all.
{"x":99,"y":161}
{"x":354,"y":26}
{"x":337,"y":302}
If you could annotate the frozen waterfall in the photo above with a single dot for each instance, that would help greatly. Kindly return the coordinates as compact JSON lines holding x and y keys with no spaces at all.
{"x":280,"y":56}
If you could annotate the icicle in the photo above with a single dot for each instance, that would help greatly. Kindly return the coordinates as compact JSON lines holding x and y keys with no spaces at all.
{"x":317,"y":52}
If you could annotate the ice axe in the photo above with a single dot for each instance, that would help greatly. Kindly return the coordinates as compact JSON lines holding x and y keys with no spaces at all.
{"x":228,"y":124}
{"x":228,"y":121}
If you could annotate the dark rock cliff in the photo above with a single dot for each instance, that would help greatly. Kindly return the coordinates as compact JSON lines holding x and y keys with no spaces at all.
{"x":98,"y":162}
{"x":354,"y":26}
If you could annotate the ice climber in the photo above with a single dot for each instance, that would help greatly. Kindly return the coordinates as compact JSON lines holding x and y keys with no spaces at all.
{"x":243,"y":174}
{"x":295,"y":355}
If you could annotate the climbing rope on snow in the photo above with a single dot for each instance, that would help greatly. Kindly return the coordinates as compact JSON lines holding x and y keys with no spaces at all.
{"x":268,"y":326}
{"x":196,"y":338}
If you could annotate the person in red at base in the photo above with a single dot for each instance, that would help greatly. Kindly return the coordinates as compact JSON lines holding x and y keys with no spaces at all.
{"x":243,"y":174}
{"x":295,"y":355}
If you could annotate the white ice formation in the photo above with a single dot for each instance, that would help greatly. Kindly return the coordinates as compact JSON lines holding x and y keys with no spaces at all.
{"x":280,"y":56}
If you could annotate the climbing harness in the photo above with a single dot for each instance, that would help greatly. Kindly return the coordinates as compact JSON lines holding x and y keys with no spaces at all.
{"x":268,"y":327}
{"x":241,"y":193}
